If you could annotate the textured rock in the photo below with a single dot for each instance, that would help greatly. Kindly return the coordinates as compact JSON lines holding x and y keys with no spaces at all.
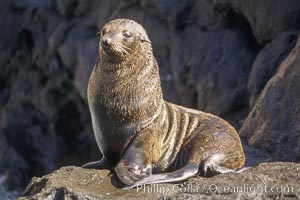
{"x":42,"y":115}
{"x":255,"y":156}
{"x":269,"y":18}
{"x":273,"y":123}
{"x":12,"y":165}
{"x":73,"y":8}
{"x":212,"y":69}
{"x":267,"y":62}
{"x":4,"y":193}
{"x":266,"y":181}
{"x":285,"y":15}
{"x":213,"y":15}
{"x":79,"y":59}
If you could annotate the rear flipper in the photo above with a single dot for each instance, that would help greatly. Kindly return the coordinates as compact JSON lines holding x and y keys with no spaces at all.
{"x":181,"y":174}
{"x":100,"y":164}
{"x":209,"y":167}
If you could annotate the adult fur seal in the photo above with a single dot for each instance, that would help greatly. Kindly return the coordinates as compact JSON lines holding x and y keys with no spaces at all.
{"x":142,"y":137}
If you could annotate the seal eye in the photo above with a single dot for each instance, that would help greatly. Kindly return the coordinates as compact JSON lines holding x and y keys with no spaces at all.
{"x":126,"y":34}
{"x":103,"y":31}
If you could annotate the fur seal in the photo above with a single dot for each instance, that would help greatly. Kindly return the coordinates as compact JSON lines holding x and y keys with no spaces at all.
{"x":143,"y":138}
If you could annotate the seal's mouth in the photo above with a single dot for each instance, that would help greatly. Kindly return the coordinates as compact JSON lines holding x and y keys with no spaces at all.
{"x":116,"y":50}
{"x":111,"y":55}
{"x":107,"y":50}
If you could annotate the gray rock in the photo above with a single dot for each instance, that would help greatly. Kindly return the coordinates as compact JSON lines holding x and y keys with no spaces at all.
{"x":254,"y":156}
{"x":223,"y":13}
{"x":212,"y":69}
{"x":12,"y":165}
{"x":213,"y":15}
{"x":78,"y":54}
{"x":269,"y":18}
{"x":42,"y":115}
{"x":11,"y":23}
{"x":87,"y":55}
{"x":73,"y":8}
{"x":30,"y":4}
{"x":58,"y":37}
{"x":67,"y":51}
{"x":265,"y":181}
{"x":175,"y":13}
{"x":273,"y":123}
{"x":267,"y":62}
{"x":4,"y":193}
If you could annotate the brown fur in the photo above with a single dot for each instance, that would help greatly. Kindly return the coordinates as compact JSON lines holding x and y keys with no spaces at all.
{"x":127,"y":107}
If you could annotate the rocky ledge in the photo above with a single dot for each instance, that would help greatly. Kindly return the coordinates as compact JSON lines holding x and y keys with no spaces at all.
{"x":273,"y":180}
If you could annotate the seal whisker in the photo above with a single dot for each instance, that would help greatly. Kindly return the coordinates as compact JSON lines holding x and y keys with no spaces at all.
{"x":116,"y":48}
{"x":126,"y":52}
{"x":123,"y":53}
{"x":120,"y":50}
{"x":123,"y":49}
{"x":127,"y":48}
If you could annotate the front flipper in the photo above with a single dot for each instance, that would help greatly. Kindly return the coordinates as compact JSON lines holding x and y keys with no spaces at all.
{"x":100,"y":164}
{"x":179,"y":175}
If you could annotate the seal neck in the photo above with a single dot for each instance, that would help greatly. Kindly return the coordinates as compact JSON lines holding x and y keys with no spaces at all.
{"x":129,"y":90}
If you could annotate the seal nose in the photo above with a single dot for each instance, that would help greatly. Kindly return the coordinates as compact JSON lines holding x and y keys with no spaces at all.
{"x":105,"y":42}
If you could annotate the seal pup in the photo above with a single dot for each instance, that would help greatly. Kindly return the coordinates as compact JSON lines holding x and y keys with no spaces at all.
{"x":143,"y":138}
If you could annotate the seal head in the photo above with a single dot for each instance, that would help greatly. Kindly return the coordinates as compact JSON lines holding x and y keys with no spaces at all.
{"x":120,"y":39}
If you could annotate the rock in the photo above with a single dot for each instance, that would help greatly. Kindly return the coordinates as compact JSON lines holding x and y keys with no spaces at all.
{"x":176,"y":13}
{"x":4,"y":193}
{"x":255,"y":156}
{"x":264,"y":27}
{"x":12,"y":23}
{"x":27,"y":133}
{"x":71,"y":8}
{"x":22,"y":122}
{"x":12,"y":165}
{"x":78,"y":54}
{"x":67,"y":51}
{"x":218,"y":14}
{"x":213,"y":14}
{"x":273,"y":123}
{"x":58,"y":37}
{"x":39,"y":101}
{"x":87,"y":56}
{"x":265,"y":181}
{"x":30,"y":4}
{"x":203,"y":69}
{"x":267,"y":62}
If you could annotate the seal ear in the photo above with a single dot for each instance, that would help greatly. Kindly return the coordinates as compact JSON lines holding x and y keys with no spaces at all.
{"x":143,"y":40}
{"x":143,"y":36}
